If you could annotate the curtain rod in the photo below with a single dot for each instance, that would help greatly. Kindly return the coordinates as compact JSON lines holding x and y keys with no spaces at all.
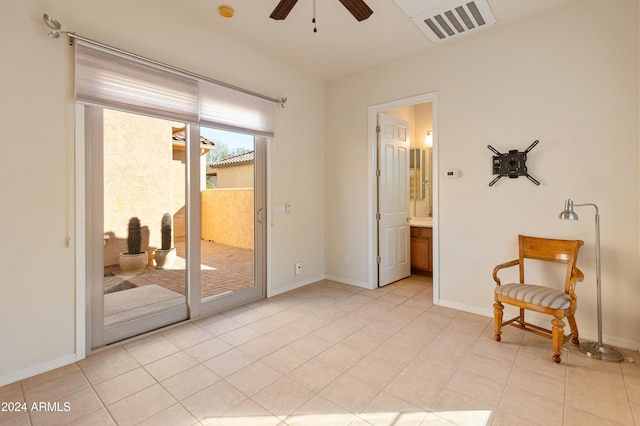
{"x":56,"y":32}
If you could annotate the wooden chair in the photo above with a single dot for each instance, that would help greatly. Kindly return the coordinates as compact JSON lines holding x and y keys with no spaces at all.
{"x":539,"y":298}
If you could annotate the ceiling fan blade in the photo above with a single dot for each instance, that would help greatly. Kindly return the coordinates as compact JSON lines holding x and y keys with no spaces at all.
{"x":282,"y":9}
{"x":358,"y":9}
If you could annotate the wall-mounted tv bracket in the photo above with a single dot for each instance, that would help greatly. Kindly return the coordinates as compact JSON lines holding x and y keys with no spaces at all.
{"x":512,"y":164}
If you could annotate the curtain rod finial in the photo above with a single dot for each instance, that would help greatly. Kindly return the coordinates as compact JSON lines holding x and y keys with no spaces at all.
{"x":282,"y":101}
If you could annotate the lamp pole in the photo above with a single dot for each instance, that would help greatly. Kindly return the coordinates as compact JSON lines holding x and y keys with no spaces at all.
{"x":599,"y":350}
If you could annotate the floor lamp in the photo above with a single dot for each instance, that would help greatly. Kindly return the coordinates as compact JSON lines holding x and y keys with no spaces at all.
{"x":595,"y":350}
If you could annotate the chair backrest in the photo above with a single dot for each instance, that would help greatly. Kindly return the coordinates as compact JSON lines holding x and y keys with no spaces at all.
{"x":550,"y":250}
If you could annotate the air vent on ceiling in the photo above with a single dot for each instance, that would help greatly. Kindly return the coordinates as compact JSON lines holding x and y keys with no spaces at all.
{"x":454,"y":19}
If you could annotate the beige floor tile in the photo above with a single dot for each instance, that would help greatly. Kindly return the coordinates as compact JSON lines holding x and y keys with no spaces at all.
{"x":387,"y":409}
{"x":553,"y":388}
{"x":530,"y":406}
{"x":610,"y":384}
{"x":416,"y":390}
{"x":208,"y":349}
{"x":314,"y":375}
{"x":508,"y":418}
{"x":541,"y":364}
{"x":504,"y":351}
{"x":342,"y":356}
{"x":108,"y":365}
{"x":311,"y":344}
{"x":594,"y":401}
{"x":489,"y":368}
{"x":64,"y":410}
{"x":229,"y":362}
{"x":141,"y":405}
{"x":154,"y":351}
{"x":188,"y":382}
{"x":441,"y":358}
{"x":170,"y":365}
{"x":253,"y":378}
{"x":350,"y":393}
{"x":283,"y":397}
{"x":477,"y":387}
{"x":285,"y":360}
{"x":395,"y":356}
{"x":176,"y":415}
{"x":334,"y":354}
{"x":218,"y":325}
{"x":55,"y":384}
{"x":374,"y":371}
{"x":261,"y":346}
{"x":239,"y":336}
{"x":97,"y":418}
{"x":213,"y":401}
{"x":462,"y":409}
{"x":247,"y":413}
{"x":633,"y":386}
{"x":126,"y":384}
{"x":576,"y":417}
{"x":187,"y":335}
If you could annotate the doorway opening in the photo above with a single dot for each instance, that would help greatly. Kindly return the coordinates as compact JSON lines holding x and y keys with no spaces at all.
{"x":423,"y":183}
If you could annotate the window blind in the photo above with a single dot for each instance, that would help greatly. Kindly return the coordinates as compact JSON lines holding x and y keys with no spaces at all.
{"x":115,"y":79}
{"x":229,"y":109}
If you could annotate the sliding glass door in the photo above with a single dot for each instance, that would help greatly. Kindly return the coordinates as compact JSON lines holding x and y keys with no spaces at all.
{"x":175,"y":229}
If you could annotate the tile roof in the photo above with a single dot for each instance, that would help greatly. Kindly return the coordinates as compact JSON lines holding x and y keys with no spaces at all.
{"x":247,"y":157}
{"x":178,"y":135}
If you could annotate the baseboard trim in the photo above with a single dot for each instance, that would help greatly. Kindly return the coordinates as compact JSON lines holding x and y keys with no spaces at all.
{"x":37,"y":369}
{"x":361,"y":284}
{"x":295,"y":285}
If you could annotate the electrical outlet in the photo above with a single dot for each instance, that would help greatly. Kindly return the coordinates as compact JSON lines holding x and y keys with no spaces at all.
{"x":298,"y":268}
{"x":345,"y":259}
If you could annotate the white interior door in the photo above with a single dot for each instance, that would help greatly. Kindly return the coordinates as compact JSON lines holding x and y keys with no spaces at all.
{"x":394,"y":260}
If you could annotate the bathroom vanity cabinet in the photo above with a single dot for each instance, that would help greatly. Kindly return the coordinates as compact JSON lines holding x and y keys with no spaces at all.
{"x":422,"y":250}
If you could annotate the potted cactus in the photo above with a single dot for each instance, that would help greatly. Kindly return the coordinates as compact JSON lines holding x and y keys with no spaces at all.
{"x":134,"y":260}
{"x":166,"y":255}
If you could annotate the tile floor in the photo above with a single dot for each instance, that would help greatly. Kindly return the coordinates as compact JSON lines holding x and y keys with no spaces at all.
{"x":333,"y":354}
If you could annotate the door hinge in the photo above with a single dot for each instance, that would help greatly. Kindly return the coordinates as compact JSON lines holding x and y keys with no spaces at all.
{"x":378,"y":260}
{"x":378,"y":173}
{"x":378,"y":216}
{"x":377,"y":129}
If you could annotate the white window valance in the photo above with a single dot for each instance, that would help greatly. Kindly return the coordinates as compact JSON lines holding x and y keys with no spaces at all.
{"x":113,"y":79}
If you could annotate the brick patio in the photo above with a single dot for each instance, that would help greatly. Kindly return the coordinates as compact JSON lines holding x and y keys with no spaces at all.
{"x":224,"y":268}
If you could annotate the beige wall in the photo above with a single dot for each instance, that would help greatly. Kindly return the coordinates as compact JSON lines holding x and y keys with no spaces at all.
{"x":568,"y":77}
{"x":227,"y":216}
{"x":39,"y":300}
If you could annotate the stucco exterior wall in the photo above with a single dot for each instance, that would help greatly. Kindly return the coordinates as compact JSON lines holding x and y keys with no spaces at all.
{"x":227,"y":216}
{"x":142,"y":177}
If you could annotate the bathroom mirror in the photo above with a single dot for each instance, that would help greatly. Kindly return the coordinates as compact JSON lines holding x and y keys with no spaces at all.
{"x":417,"y":174}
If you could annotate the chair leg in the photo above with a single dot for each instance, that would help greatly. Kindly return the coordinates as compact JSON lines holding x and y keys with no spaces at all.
{"x":557,"y":331}
{"x":497,"y":317}
{"x":574,"y":329}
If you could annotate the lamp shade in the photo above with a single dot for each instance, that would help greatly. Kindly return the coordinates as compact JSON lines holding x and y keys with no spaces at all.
{"x":568,"y":213}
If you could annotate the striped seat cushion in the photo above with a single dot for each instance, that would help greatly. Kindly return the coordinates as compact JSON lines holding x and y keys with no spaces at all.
{"x":536,"y":295}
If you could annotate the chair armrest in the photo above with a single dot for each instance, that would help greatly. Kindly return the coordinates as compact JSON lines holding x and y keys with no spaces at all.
{"x":577,"y":273}
{"x":502,"y":266}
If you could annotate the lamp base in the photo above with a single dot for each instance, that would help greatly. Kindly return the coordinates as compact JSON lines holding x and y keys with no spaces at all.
{"x":602,"y":352}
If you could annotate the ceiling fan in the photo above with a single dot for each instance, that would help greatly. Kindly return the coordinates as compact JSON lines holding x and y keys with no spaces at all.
{"x":358,"y":8}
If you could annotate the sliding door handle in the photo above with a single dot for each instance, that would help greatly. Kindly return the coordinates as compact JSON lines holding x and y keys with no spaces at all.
{"x":261,"y":215}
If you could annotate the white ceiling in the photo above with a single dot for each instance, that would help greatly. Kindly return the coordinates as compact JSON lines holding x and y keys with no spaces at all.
{"x":341,"y":46}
